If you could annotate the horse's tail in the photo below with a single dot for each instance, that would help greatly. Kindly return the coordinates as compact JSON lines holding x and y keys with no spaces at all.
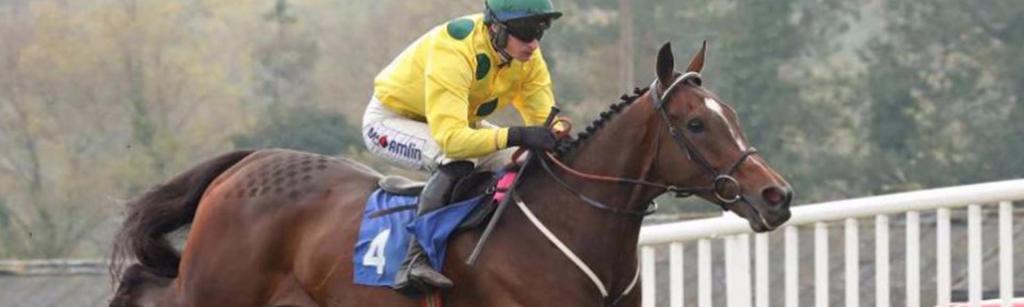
{"x":161,"y":210}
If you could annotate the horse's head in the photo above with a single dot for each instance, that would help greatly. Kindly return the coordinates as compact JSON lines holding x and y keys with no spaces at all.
{"x":701,"y":145}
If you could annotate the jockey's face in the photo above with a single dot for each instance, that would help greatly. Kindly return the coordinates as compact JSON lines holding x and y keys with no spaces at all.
{"x":521,"y":50}
{"x":524,"y":36}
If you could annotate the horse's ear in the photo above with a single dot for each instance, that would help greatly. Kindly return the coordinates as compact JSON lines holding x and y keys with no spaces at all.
{"x":697,"y":62}
{"x":666,"y":64}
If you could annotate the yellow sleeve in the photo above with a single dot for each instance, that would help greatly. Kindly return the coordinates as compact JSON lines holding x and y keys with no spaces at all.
{"x":536,"y":98}
{"x":449,"y":73}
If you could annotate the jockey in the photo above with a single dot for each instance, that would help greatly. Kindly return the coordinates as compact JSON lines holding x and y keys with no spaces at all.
{"x":428,"y":107}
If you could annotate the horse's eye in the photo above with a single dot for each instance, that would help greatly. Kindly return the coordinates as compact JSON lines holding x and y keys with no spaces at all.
{"x":695,"y":126}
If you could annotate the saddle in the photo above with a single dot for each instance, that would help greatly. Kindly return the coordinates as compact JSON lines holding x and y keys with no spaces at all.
{"x":473,"y":185}
{"x":389,"y":222}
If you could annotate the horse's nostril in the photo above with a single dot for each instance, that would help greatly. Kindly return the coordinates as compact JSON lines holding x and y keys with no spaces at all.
{"x":775,"y":196}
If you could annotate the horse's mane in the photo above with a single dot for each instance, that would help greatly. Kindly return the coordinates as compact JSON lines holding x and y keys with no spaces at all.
{"x":615,"y":108}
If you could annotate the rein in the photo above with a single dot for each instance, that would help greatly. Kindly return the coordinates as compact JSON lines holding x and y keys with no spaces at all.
{"x":590,"y":201}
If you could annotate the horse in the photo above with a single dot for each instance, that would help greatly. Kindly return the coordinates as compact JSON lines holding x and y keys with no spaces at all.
{"x":277,"y":227}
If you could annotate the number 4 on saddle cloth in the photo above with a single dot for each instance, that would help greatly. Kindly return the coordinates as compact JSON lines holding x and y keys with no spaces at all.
{"x":390,"y":218}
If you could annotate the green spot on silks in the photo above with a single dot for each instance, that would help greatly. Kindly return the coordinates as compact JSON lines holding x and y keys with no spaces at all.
{"x":460,"y":28}
{"x":483,"y":66}
{"x":487,"y":108}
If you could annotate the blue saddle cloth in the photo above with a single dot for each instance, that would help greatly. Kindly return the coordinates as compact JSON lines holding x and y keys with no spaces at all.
{"x":384,"y":237}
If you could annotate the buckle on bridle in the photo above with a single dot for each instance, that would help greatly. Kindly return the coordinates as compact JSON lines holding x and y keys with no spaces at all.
{"x":679,"y":192}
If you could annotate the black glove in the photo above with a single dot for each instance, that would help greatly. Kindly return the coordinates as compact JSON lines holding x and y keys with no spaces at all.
{"x":539,"y":138}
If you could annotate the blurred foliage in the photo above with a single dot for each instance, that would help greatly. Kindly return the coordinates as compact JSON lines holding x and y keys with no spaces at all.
{"x":303,"y":128}
{"x":944,"y":89}
{"x":5,"y":214}
{"x":101,"y":99}
{"x":283,"y":74}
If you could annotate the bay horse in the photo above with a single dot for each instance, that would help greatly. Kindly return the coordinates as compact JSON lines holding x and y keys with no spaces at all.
{"x":277,"y":227}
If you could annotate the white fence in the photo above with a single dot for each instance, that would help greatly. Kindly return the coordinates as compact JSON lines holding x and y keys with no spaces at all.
{"x":53,"y":267}
{"x":735,"y":235}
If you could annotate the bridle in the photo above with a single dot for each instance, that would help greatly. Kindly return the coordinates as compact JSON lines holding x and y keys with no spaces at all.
{"x":720,"y":180}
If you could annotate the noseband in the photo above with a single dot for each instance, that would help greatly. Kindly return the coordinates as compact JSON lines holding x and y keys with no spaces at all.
{"x":720,"y":181}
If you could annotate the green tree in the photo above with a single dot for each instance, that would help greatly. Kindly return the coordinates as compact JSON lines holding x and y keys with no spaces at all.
{"x":944,"y":93}
{"x":285,"y":61}
{"x":284,"y":91}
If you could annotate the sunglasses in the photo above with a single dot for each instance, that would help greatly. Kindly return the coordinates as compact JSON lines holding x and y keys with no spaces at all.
{"x":528,"y":30}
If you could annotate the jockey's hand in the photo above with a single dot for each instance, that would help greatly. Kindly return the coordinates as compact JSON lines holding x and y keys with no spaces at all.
{"x":539,"y":138}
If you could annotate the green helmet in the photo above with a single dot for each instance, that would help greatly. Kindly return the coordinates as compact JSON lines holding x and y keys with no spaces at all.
{"x":507,"y":10}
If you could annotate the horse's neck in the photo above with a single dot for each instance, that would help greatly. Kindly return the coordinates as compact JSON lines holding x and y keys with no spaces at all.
{"x":604,"y":240}
{"x":624,"y":148}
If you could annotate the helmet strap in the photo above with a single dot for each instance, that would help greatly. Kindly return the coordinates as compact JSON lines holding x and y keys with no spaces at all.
{"x":499,"y":40}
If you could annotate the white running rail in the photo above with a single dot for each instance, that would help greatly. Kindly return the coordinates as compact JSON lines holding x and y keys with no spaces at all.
{"x":735,"y":235}
{"x":53,"y":267}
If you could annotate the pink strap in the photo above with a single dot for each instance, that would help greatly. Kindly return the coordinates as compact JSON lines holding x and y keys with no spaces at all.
{"x":503,"y":185}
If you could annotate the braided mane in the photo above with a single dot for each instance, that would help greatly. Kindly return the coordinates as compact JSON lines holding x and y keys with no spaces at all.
{"x":615,"y":108}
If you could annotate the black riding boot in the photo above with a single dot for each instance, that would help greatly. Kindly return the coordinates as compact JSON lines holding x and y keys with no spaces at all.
{"x":416,"y":274}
